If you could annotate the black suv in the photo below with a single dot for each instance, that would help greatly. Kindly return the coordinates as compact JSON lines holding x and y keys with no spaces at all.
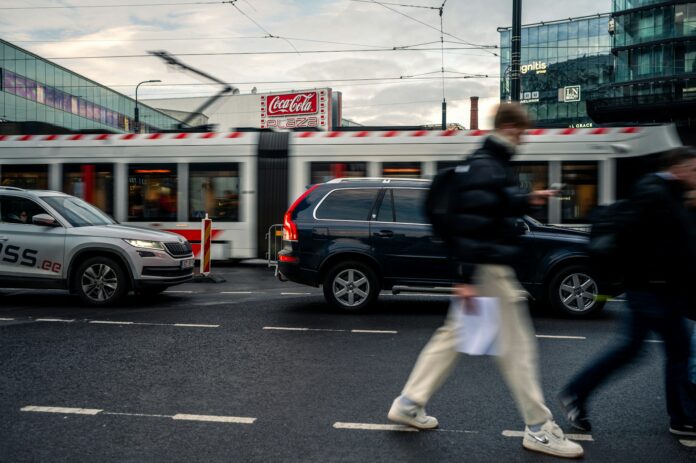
{"x":356,"y":237}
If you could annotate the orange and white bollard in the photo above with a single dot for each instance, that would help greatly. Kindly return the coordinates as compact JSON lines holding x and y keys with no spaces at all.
{"x":206,"y":228}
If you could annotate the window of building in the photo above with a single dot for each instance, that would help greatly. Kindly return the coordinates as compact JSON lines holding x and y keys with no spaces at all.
{"x":322,"y":172}
{"x":401,"y":169}
{"x":30,"y":177}
{"x":152,"y":192}
{"x":580,"y":194}
{"x":214,"y":190}
{"x":92,"y":182}
{"x":347,"y":204}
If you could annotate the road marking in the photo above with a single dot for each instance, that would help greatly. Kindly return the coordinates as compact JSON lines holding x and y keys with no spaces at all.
{"x":374,"y":427}
{"x":688,"y":443}
{"x":236,"y":292}
{"x":418,"y":295}
{"x":214,"y":419}
{"x":65,"y":410}
{"x":59,"y":320}
{"x":7,"y":319}
{"x":109,"y":322}
{"x":195,"y":325}
{"x":289,"y":328}
{"x":136,"y":414}
{"x":654,"y":340}
{"x":295,"y":294}
{"x":549,"y":336}
{"x":374,"y":331}
{"x":182,"y":292}
{"x":582,"y":437}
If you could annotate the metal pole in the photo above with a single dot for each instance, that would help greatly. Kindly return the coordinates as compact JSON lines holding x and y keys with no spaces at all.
{"x":444,"y":115}
{"x":516,"y":50}
{"x":136,"y":125}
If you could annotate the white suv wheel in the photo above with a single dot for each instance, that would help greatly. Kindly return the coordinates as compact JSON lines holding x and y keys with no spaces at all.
{"x":101,"y":281}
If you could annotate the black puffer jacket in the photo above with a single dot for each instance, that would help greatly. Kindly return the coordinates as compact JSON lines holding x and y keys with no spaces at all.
{"x":487,"y":206}
{"x":660,"y":238}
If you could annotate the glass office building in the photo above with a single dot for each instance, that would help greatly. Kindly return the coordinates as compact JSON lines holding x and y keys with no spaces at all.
{"x":563,"y":63}
{"x":654,"y":45}
{"x":37,"y":90}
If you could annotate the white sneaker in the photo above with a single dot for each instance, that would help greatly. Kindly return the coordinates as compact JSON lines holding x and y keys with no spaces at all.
{"x":551,"y":440}
{"x":411,"y":415}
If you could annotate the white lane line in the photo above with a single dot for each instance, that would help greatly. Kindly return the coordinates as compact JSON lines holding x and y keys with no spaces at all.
{"x":582,"y":437}
{"x":295,"y":294}
{"x":289,"y":328}
{"x":417,"y":295}
{"x":59,"y":320}
{"x":548,"y":336}
{"x":136,"y":414}
{"x":688,"y":443}
{"x":182,"y":292}
{"x":374,"y":331}
{"x":6,"y":319}
{"x":374,"y":427}
{"x":65,"y":410}
{"x":195,"y":325}
{"x":236,"y":292}
{"x":658,"y":341}
{"x":214,"y":419}
{"x":109,"y":322}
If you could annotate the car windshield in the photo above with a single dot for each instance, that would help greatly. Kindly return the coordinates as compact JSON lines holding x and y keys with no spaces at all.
{"x":78,"y":212}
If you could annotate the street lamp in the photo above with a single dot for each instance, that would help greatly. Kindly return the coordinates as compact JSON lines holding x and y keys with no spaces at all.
{"x":137,"y":110}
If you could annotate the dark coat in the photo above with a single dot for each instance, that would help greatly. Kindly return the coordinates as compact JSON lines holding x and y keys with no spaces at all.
{"x":487,"y":205}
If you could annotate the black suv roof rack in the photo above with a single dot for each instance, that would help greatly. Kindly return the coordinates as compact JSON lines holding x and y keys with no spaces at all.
{"x":13,"y":188}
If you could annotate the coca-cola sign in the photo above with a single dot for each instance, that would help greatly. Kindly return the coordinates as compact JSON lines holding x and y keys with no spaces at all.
{"x":291,"y":104}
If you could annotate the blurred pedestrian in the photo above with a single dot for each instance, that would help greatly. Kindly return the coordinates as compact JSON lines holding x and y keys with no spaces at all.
{"x":495,"y":202}
{"x":656,"y":241}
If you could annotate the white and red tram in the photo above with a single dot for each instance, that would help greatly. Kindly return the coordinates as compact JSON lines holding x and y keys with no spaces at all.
{"x":246,"y":180}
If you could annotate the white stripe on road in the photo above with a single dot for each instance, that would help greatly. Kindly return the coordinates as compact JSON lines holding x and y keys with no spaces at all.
{"x":418,"y":295}
{"x":288,"y":328}
{"x":295,"y":294}
{"x":60,"y":320}
{"x":147,"y":415}
{"x":687,"y":443}
{"x":582,"y":437}
{"x":658,"y":341}
{"x":109,"y":322}
{"x":65,"y":410}
{"x":374,"y":427}
{"x":6,"y":319}
{"x":374,"y":331}
{"x":549,"y":336}
{"x":214,"y":419}
{"x":182,"y":325}
{"x":236,"y":292}
{"x":195,"y":325}
{"x":182,"y":292}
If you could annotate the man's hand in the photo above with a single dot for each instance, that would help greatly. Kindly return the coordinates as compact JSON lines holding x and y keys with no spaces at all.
{"x":541,"y":197}
{"x":468,"y":293}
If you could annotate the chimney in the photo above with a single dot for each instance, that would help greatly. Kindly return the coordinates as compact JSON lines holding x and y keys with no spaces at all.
{"x":473,"y":124}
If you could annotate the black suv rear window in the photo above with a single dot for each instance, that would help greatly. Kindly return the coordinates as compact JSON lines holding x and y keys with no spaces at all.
{"x":347,"y":204}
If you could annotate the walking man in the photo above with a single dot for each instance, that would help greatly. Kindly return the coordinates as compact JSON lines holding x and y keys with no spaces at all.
{"x":494,"y":202}
{"x":656,"y":242}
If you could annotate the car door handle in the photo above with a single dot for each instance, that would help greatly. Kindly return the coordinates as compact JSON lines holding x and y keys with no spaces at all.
{"x":384,"y":233}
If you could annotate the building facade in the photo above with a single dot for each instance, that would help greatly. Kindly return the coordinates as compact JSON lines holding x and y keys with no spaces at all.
{"x":37,"y":90}
{"x":654,"y":48}
{"x":563,"y":63}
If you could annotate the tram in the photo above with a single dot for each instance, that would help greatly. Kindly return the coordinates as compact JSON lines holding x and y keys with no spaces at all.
{"x":245,"y":181}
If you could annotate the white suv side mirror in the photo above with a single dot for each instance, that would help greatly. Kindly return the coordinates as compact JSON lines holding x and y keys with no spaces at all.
{"x":44,"y":220}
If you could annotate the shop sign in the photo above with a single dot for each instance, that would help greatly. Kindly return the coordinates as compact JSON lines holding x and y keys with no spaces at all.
{"x":292,"y":104}
{"x":529,"y":97}
{"x":571,"y":93}
{"x":538,"y":66}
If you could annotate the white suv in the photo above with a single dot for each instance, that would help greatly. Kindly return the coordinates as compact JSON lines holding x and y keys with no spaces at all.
{"x":53,"y":240}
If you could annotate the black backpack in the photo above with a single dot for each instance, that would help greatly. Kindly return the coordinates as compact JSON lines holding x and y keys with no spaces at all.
{"x":607,"y":246}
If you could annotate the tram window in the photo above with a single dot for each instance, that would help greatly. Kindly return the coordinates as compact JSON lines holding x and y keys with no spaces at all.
{"x":92,"y":182}
{"x":152,"y":192}
{"x":580,"y":197}
{"x":534,"y":176}
{"x":30,"y":177}
{"x":322,"y":172}
{"x":214,"y":189}
{"x":401,"y":170}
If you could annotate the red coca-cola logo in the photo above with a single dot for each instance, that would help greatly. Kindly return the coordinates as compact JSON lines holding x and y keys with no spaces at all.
{"x":291,"y":104}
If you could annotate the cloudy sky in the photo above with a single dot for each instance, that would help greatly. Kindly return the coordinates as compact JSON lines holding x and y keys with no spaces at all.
{"x":277,"y":45}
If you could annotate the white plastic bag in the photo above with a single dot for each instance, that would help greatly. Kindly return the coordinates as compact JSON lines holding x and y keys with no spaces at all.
{"x":477,"y":330}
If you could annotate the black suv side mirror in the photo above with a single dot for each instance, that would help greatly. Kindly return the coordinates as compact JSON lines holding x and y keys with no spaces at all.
{"x":44,"y":220}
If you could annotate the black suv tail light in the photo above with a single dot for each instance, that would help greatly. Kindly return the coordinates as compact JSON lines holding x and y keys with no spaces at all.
{"x":289,"y":225}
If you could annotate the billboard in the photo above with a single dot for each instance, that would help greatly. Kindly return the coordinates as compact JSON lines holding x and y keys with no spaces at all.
{"x":296,"y":109}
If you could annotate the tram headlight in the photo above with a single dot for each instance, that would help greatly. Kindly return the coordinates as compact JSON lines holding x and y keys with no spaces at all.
{"x":143,"y":244}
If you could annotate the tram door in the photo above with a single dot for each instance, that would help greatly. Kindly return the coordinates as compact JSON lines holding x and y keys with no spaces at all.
{"x":271,"y":184}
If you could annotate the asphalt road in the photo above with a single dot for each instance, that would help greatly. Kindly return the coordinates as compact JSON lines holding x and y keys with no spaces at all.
{"x":258,"y":370}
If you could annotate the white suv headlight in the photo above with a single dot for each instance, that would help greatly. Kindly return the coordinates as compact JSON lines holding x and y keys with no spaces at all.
{"x":145,"y":244}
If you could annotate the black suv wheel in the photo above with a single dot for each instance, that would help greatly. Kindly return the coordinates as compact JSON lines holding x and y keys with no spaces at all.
{"x":100,"y":281}
{"x":351,"y":285}
{"x":573,"y":291}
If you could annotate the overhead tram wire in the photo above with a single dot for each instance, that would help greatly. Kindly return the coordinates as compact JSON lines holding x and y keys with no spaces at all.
{"x":71,"y":7}
{"x":269,"y":35}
